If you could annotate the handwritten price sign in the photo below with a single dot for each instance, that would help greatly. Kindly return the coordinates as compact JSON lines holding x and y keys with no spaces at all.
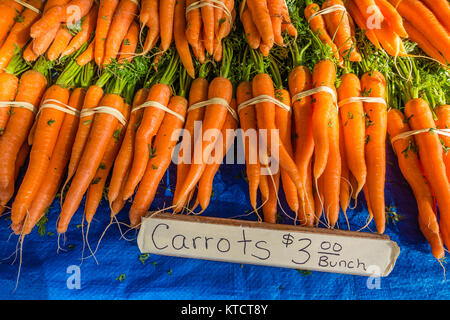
{"x":265,"y":244}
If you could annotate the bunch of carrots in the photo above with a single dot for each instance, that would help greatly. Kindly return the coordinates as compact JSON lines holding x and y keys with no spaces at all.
{"x":332,"y":24}
{"x":266,"y":23}
{"x":381,"y":23}
{"x":426,"y":22}
{"x":418,"y":128}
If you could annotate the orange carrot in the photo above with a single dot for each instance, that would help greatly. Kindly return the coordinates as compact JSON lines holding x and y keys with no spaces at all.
{"x":8,"y":91}
{"x":11,"y":11}
{"x":361,"y":22}
{"x":40,"y":45}
{"x":441,"y":9}
{"x":32,"y":85}
{"x":275,"y":8}
{"x":338,"y":27}
{"x":423,"y":19}
{"x":121,"y":21}
{"x":87,"y":56}
{"x":19,"y":34}
{"x":207,"y":13}
{"x":87,"y":28}
{"x":261,"y":18}
{"x":102,"y":129}
{"x":392,"y":16}
{"x":270,"y":208}
{"x":181,"y":42}
{"x":166,"y":20}
{"x":124,"y":158}
{"x":157,"y":165}
{"x":129,"y":45}
{"x":247,"y":118}
{"x":95,"y":191}
{"x":62,"y":39}
{"x":193,"y":26}
{"x":373,"y":84}
{"x":353,"y":123}
{"x":105,"y":15}
{"x":283,"y":122}
{"x":251,"y":32}
{"x":58,"y":162}
{"x":48,"y":126}
{"x":411,"y":169}
{"x":443,"y":122}
{"x":324,"y":74}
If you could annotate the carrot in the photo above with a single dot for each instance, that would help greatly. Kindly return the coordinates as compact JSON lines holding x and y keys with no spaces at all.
{"x":324,"y":74}
{"x":300,"y":80}
{"x":261,"y":18}
{"x":47,"y":129}
{"x":87,"y":28}
{"x":8,"y":91}
{"x":283,"y":122}
{"x":443,"y":122}
{"x":353,"y":123}
{"x":87,"y":56}
{"x":214,"y":118}
{"x":92,"y":99}
{"x":41,"y":44}
{"x":193,"y":26}
{"x":105,"y":15}
{"x":166,"y":20}
{"x":369,"y":9}
{"x":264,"y":187}
{"x":332,"y":172}
{"x":103,"y":127}
{"x":338,"y":27}
{"x":60,"y":13}
{"x":318,"y":26}
{"x":307,"y":206}
{"x":251,"y":32}
{"x":410,"y":167}
{"x":275,"y":9}
{"x":344,"y":190}
{"x":361,"y":22}
{"x":129,"y":45}
{"x":31,"y":88}
{"x":270,"y":208}
{"x":441,"y":9}
{"x":265,"y":113}
{"x":124,"y":158}
{"x":373,"y":84}
{"x":62,"y":39}
{"x":431,"y":156}
{"x":11,"y":11}
{"x":58,"y":162}
{"x":207,"y":13}
{"x":390,"y":41}
{"x":164,"y":144}
{"x":95,"y":190}
{"x":247,"y":118}
{"x":424,"y":44}
{"x":286,"y":24}
{"x":19,"y":34}
{"x":181,"y":42}
{"x":198,"y":93}
{"x":148,"y":128}
{"x":121,"y":21}
{"x":392,"y":16}
{"x":423,"y":19}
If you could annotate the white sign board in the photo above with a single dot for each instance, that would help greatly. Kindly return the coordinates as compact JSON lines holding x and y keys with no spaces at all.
{"x":266,"y":244}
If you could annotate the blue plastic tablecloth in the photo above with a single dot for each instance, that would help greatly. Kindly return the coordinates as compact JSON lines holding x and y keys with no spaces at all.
{"x":417,"y":275}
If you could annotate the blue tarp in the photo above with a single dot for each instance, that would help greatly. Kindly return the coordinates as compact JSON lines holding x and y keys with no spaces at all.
{"x":120,"y":273}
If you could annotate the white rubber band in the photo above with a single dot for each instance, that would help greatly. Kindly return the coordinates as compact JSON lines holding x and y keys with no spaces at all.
{"x":362,"y":99}
{"x":334,"y":8}
{"x":407,"y":134}
{"x":28,"y":6}
{"x":211,"y":3}
{"x":310,"y":92}
{"x":18,"y":104}
{"x":220,"y":101}
{"x":263,"y":98}
{"x":158,"y":105}
{"x":107,"y":110}
{"x":57,"y":105}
